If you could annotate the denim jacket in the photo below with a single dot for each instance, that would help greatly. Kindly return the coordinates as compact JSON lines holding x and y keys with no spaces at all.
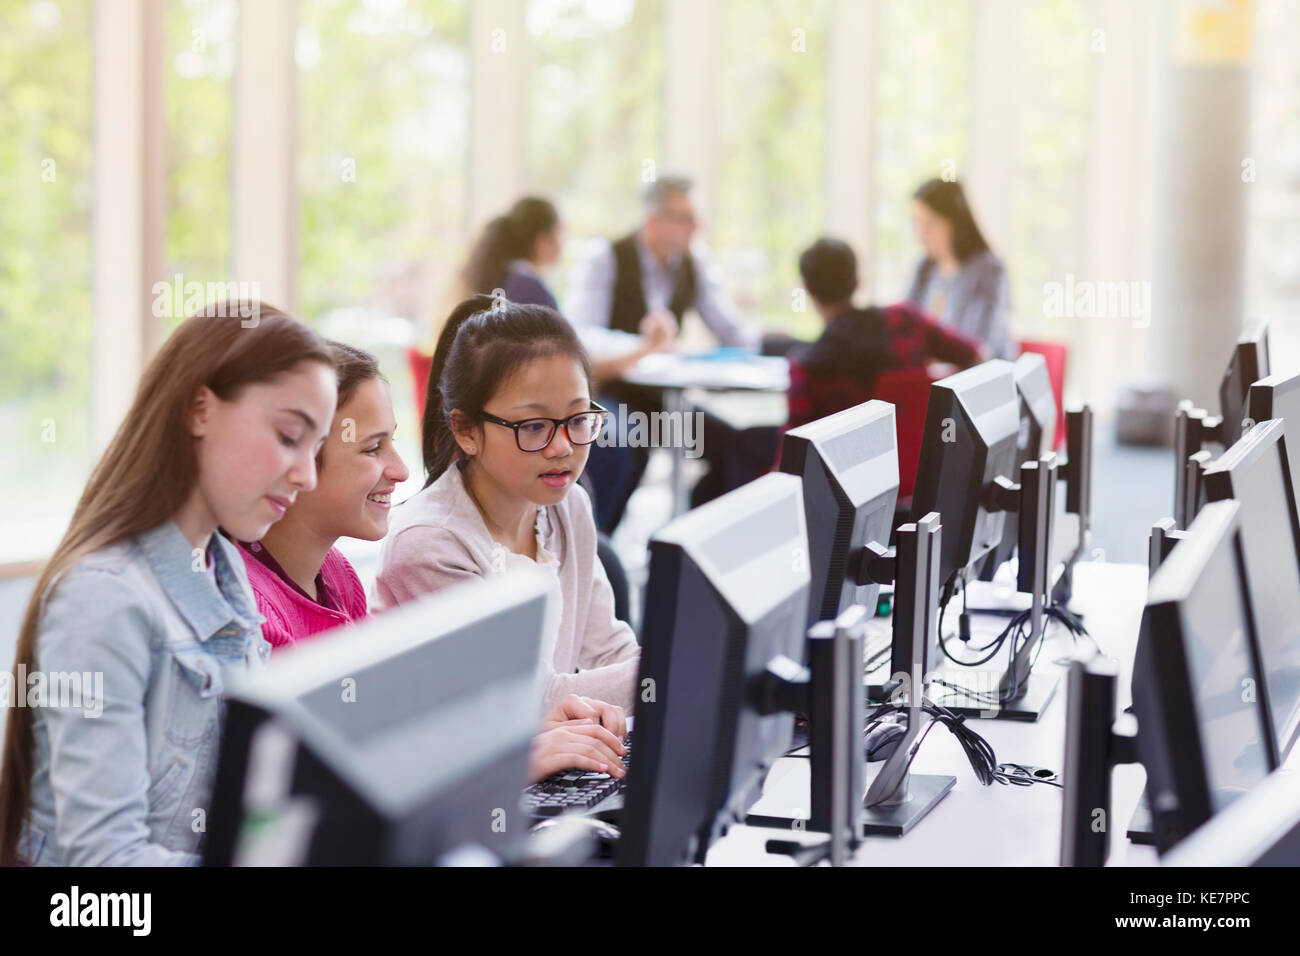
{"x":131,"y":786}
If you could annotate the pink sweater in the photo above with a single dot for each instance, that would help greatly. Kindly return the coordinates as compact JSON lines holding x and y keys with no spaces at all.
{"x":290,"y":615}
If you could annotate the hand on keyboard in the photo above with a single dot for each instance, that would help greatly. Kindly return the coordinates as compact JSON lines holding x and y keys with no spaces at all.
{"x":575,"y":790}
{"x":581,"y":744}
{"x":574,"y":707}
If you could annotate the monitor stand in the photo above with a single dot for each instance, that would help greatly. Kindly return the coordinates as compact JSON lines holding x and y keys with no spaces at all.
{"x":897,"y":799}
{"x":921,"y":793}
{"x":1140,"y":828}
{"x":1036,"y":496}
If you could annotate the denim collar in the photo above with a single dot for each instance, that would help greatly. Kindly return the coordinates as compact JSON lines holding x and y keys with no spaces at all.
{"x":224,"y":611}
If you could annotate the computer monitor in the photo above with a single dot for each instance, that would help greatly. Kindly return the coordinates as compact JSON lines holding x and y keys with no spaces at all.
{"x":1092,"y":750}
{"x":972,"y":425}
{"x":1255,"y":473}
{"x":1249,"y":363}
{"x":1037,"y":418}
{"x":728,"y":594}
{"x":1202,"y":733}
{"x":1260,"y":829}
{"x":848,"y":463}
{"x":394,"y":741}
{"x":1278,"y":396}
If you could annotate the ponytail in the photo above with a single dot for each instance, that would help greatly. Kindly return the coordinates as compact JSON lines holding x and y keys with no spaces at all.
{"x":505,"y":238}
{"x":437,"y":444}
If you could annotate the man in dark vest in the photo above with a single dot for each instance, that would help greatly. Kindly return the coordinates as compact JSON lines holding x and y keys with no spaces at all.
{"x":626,"y":301}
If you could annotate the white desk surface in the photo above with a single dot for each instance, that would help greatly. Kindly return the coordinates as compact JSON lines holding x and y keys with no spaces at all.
{"x":677,"y":370}
{"x":998,"y":825}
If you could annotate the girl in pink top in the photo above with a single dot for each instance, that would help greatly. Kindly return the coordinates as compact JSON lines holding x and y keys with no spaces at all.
{"x":302,"y":583}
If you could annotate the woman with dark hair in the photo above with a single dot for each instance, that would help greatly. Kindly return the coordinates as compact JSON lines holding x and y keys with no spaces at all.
{"x":508,"y":425}
{"x":512,"y":250}
{"x":960,"y":281}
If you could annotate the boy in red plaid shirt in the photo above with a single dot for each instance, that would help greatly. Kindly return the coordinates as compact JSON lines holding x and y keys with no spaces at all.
{"x":839,"y":370}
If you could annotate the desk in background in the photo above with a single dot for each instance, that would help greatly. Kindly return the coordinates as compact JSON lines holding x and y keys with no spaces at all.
{"x":719,"y":371}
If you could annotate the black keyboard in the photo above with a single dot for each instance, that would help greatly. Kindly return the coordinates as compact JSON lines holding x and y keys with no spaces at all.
{"x":573,"y":790}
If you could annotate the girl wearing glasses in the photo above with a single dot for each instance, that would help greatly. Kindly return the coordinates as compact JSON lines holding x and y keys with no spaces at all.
{"x":507,"y":428}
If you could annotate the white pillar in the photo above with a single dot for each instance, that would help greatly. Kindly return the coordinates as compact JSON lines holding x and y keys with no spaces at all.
{"x":1123,"y":45}
{"x":693,"y":45}
{"x":154,"y":233}
{"x":1198,"y":290}
{"x":995,"y":129}
{"x":264,"y":152}
{"x":498,"y":51}
{"x":127,"y":207}
{"x":850,"y":92}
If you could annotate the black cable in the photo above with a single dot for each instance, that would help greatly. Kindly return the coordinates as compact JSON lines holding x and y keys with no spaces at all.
{"x":1017,"y":631}
{"x":1018,"y":775}
{"x":882,"y":656}
{"x":979,"y":752}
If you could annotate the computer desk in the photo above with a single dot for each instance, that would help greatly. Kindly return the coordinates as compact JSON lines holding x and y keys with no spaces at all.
{"x":998,"y":825}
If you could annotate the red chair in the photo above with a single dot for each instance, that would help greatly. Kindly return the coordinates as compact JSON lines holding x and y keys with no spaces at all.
{"x":1055,"y":355}
{"x":421,"y":366}
{"x":908,"y":390}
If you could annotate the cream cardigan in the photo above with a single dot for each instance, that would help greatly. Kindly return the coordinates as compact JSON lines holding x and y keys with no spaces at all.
{"x":437,"y":538}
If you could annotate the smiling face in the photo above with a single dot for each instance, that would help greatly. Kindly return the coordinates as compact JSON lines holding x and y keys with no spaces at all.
{"x":256,"y":453}
{"x":360,"y":469}
{"x":554,"y":387}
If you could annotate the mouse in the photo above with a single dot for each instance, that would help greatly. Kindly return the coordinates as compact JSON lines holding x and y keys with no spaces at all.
{"x":882,"y":740}
{"x":605,"y":835}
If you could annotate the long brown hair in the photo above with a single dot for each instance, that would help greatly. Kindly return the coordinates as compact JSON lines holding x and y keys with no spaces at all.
{"x":354,"y":367}
{"x":947,"y":199}
{"x":147,"y":472}
{"x":507,"y":237}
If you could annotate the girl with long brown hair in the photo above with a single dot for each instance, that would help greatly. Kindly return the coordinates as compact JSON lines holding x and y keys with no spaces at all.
{"x":148,"y":605}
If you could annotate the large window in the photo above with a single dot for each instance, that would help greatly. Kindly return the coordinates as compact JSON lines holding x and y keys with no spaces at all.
{"x":1048,"y":236}
{"x":771,"y":163}
{"x":46,"y":158}
{"x":383,"y":127}
{"x":592,"y":109}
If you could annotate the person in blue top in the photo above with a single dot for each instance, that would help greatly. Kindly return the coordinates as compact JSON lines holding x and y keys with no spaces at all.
{"x":960,"y":281}
{"x":511,"y":252}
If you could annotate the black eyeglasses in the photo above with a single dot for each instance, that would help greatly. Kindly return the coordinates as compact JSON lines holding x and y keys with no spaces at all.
{"x":534,"y":434}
